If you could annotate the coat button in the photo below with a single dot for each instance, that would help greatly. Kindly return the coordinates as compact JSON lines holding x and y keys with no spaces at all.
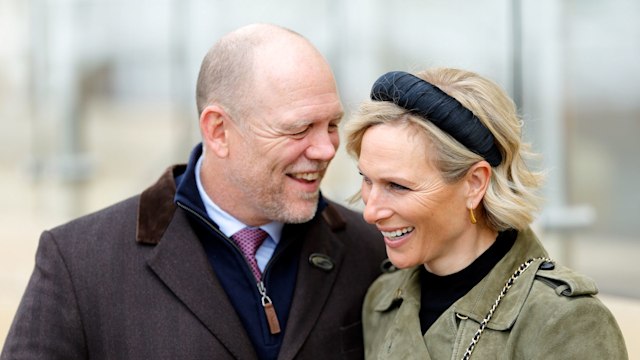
{"x":321,"y":261}
{"x":547,"y":265}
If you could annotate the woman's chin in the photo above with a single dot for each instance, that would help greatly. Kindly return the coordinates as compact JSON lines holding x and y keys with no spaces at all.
{"x":401,"y":261}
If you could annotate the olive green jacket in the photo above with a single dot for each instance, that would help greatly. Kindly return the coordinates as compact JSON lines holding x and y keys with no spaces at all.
{"x":550,"y":312}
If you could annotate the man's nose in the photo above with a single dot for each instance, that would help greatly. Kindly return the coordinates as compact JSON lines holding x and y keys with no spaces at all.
{"x":323,"y":146}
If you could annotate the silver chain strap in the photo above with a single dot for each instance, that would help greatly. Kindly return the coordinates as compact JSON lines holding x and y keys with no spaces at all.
{"x":524,"y":266}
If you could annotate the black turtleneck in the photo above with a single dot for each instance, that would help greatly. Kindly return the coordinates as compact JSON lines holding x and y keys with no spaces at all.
{"x":440,"y":292}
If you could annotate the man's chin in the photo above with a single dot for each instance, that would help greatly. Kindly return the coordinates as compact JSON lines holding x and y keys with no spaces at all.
{"x":302,"y":210}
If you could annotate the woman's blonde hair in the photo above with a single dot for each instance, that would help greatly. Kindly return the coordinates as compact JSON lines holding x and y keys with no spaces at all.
{"x":511,"y":199}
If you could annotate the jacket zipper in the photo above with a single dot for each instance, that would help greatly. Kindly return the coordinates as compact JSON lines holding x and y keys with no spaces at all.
{"x":267,"y":304}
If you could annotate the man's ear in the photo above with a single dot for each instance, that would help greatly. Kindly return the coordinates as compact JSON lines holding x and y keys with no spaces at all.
{"x":477,"y":178}
{"x":214,"y":123}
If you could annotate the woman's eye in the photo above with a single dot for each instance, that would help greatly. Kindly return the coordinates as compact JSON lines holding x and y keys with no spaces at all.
{"x":398,"y":186}
{"x":365,"y":179}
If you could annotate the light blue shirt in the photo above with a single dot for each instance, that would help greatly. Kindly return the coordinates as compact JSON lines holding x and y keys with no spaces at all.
{"x":229,"y":225}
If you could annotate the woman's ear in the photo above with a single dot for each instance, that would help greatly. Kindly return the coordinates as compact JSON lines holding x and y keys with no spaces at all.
{"x":477,"y":178}
{"x":213,"y":126}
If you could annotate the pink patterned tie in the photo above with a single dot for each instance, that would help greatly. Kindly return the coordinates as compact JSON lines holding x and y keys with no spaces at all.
{"x":249,"y":240}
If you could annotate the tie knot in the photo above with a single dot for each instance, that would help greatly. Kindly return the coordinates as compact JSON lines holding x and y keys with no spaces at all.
{"x":249,"y":240}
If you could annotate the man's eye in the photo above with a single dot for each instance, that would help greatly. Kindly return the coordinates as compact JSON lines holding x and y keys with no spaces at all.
{"x":302,"y":132}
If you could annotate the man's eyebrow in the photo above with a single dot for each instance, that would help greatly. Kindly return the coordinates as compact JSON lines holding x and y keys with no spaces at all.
{"x":306,"y":122}
{"x":296,"y":124}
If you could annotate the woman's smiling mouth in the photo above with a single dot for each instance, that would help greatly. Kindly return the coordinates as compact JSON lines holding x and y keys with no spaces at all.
{"x":391,"y":235}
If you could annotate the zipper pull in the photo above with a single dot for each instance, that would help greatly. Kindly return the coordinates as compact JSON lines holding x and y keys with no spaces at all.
{"x":269,"y":310}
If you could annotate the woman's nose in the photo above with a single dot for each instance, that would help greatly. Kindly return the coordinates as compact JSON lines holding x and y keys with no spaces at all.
{"x":374,"y":208}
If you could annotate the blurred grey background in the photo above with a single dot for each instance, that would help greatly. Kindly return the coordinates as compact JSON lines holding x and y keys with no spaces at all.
{"x":97,"y":99}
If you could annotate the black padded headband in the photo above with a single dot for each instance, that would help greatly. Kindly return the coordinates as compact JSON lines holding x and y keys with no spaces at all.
{"x":428,"y":101}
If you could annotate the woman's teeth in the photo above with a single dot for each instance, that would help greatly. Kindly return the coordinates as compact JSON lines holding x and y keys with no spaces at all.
{"x":397,"y":233}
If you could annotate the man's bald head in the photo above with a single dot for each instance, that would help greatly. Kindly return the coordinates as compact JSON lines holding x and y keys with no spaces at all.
{"x":230,"y":67}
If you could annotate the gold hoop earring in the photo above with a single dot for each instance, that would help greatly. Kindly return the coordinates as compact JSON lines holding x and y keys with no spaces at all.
{"x":472,"y":216}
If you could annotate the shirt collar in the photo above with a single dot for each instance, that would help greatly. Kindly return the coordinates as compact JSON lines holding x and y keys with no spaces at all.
{"x":228,"y":224}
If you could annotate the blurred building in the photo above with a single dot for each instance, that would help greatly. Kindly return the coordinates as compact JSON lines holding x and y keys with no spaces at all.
{"x":97,"y":98}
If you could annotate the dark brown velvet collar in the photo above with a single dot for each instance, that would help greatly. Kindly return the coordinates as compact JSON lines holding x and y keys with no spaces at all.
{"x":157,"y":207}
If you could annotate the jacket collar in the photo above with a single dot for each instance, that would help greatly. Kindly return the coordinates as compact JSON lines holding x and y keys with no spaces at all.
{"x":156,"y":207}
{"x":477,"y":302}
{"x":408,"y":289}
{"x":482,"y":297}
{"x":158,"y":202}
